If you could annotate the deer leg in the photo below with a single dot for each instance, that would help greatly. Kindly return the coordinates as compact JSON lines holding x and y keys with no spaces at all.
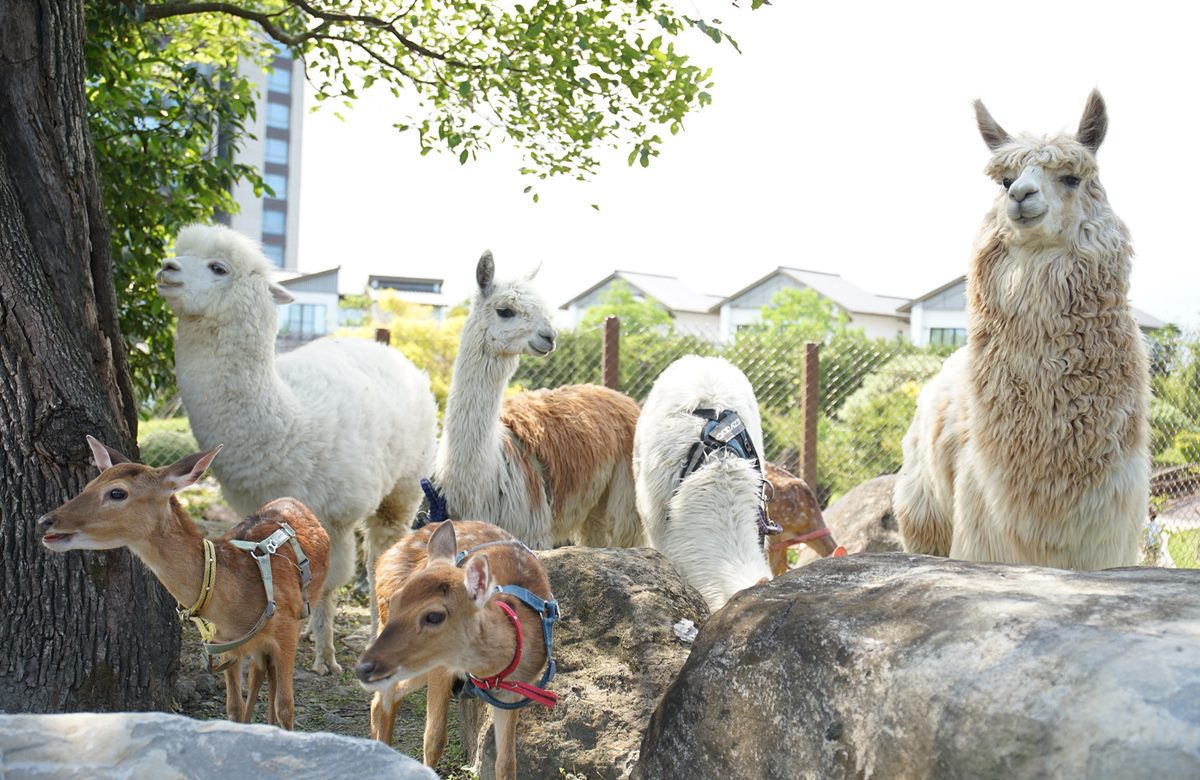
{"x":385,"y":704}
{"x":233,"y":692}
{"x":253,"y":686}
{"x":504,"y":724}
{"x":437,"y":709}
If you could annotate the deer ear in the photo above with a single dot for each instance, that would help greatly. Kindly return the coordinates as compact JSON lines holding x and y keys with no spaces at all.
{"x":1094,"y":124}
{"x":485,"y":273}
{"x":106,"y":457}
{"x":443,"y":543}
{"x":185,"y":471}
{"x":279,"y":294}
{"x":478,"y":579}
{"x":993,"y":134}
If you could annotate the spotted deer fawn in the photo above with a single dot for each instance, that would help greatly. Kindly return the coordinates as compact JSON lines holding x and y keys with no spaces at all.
{"x":460,"y":599}
{"x":796,"y":508}
{"x":247,"y":590}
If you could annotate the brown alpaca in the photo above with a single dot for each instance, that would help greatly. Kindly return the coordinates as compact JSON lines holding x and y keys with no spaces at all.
{"x":442,"y":619}
{"x":134,"y":506}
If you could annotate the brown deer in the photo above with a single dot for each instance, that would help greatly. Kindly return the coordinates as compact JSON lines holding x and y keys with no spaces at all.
{"x":460,"y":599}
{"x":226,"y":581}
{"x":795,"y":508}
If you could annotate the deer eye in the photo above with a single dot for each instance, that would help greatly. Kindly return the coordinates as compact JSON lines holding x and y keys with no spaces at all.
{"x":1070,"y":181}
{"x":218,"y":269}
{"x":506,"y":313}
{"x":433,"y":618}
{"x":116,"y":494}
{"x":1008,"y":183}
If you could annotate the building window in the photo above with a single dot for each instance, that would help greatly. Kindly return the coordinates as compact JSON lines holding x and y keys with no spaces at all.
{"x":948,"y":337}
{"x":304,"y":321}
{"x":274,"y":253}
{"x":274,"y":222}
{"x":280,"y":80}
{"x":277,"y":151}
{"x":278,"y":183}
{"x":278,"y":114}
{"x":408,"y":285}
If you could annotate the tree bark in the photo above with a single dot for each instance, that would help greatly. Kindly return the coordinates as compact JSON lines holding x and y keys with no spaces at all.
{"x":81,"y":630}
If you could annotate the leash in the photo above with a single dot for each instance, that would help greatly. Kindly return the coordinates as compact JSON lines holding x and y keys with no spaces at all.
{"x":547,"y":610}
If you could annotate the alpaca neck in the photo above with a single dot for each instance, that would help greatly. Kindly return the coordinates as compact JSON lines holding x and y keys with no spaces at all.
{"x":175,"y":554}
{"x":469,"y":452}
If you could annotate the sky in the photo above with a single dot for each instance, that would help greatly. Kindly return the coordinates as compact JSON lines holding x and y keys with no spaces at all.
{"x":842,"y":139}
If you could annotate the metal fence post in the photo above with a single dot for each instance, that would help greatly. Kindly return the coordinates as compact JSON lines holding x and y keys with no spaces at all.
{"x":383,"y":335}
{"x":610,"y":357}
{"x":809,"y":404}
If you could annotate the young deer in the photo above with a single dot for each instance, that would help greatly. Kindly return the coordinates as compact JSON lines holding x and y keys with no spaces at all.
{"x":443,"y":615}
{"x":795,"y":507}
{"x":134,"y":506}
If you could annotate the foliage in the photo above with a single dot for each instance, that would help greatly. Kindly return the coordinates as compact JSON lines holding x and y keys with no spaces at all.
{"x":164,"y":441}
{"x":809,"y":314}
{"x":157,"y":93}
{"x":1175,"y":404}
{"x":618,"y":301}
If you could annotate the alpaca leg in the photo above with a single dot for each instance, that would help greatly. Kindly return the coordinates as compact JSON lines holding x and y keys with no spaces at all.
{"x":974,"y":538}
{"x":390,"y":523}
{"x":504,"y":725}
{"x":234,"y":704}
{"x":623,"y":520}
{"x":437,"y":713}
{"x":258,"y":670}
{"x":924,"y":528}
{"x":385,"y":704}
{"x":341,"y":568}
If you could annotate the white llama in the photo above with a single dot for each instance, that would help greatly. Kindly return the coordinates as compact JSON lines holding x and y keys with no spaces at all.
{"x":549,"y":466}
{"x":347,"y":427}
{"x":1031,"y":445}
{"x":707,"y":521}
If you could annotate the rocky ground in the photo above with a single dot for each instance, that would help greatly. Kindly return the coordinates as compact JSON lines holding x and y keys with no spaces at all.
{"x":336,"y":704}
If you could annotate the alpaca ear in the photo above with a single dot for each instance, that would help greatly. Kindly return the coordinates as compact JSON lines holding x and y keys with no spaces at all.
{"x":993,"y":134}
{"x":485,"y":273}
{"x":478,"y":579}
{"x":443,"y":543}
{"x":279,"y":293}
{"x":529,"y":276}
{"x":185,"y":471}
{"x":1094,"y":124}
{"x":106,"y":457}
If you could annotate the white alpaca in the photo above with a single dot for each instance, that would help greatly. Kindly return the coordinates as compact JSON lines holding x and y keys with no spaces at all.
{"x":1031,"y":445}
{"x":706,"y":523}
{"x":347,"y":427}
{"x":549,"y":466}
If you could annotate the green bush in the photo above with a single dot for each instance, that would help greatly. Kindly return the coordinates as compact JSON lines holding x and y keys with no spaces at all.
{"x":163,"y":442}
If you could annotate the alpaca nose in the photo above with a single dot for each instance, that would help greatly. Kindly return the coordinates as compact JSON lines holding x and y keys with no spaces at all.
{"x":364,"y":669}
{"x":171,"y":265}
{"x":1022,"y":189}
{"x":549,"y":335}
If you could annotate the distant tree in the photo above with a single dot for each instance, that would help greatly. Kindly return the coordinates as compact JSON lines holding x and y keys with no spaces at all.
{"x":636,"y":315}
{"x":805,"y":313}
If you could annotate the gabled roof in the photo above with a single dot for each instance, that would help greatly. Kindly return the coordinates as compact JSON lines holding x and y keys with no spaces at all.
{"x":673,"y":294}
{"x":289,"y":277}
{"x":854,"y":300}
{"x":1146,"y":321}
{"x":936,"y":291}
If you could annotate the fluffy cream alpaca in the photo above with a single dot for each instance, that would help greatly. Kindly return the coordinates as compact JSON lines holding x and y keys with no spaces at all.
{"x":550,"y":466}
{"x":706,"y":524}
{"x":1031,"y":445}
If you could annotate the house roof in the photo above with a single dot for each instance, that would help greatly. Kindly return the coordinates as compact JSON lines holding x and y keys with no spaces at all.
{"x":853,"y":299}
{"x":936,"y":291}
{"x":289,"y":277}
{"x":673,"y":294}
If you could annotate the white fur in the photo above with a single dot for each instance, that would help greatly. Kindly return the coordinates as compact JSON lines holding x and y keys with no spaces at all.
{"x":347,"y":427}
{"x":707,"y":524}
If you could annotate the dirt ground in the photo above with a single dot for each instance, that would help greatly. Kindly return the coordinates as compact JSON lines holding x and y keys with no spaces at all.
{"x":336,"y":704}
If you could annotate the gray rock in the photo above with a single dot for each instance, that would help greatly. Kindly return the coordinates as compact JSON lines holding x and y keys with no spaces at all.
{"x":171,"y":747}
{"x":616,"y":653}
{"x":895,"y":665}
{"x":862,"y":520}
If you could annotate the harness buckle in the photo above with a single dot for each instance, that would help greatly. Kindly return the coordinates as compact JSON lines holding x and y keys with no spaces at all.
{"x":551,"y":611}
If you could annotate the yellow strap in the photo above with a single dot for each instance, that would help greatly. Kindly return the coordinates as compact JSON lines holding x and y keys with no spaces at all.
{"x":207,"y":629}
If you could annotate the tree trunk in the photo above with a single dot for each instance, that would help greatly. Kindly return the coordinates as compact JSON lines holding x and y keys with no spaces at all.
{"x":79,"y":630}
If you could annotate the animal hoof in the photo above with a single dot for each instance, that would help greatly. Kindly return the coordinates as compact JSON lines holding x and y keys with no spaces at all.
{"x":323,"y":668}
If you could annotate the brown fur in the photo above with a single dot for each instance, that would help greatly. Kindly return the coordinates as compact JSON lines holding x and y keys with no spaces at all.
{"x":152,"y":523}
{"x":417,"y":576}
{"x":795,"y":507}
{"x":575,"y":432}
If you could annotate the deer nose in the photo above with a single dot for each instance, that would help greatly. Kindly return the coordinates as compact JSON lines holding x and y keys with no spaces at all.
{"x":364,"y":669}
{"x":44,"y":522}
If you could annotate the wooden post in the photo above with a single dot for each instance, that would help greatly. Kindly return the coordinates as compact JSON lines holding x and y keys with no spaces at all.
{"x":383,"y":335}
{"x":610,"y":356}
{"x":809,"y":405}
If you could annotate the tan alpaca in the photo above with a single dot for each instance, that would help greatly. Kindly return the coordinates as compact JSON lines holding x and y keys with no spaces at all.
{"x":134,"y":506}
{"x":1031,"y":445}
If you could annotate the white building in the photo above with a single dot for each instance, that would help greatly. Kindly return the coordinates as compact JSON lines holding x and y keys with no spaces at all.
{"x":877,"y":315}
{"x":314,"y":312}
{"x":411,"y":289}
{"x":692,"y":310}
{"x":940,"y":315}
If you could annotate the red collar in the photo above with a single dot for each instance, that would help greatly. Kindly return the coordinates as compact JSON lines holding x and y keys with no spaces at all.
{"x":781,"y":544}
{"x":532,"y":692}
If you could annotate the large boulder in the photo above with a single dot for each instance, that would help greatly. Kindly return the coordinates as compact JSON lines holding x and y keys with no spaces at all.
{"x":862,"y":520}
{"x":172,"y":747}
{"x":895,"y":665}
{"x":617,"y":651}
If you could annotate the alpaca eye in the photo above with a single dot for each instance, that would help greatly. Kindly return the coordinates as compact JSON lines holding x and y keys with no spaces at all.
{"x":506,"y":314}
{"x":116,"y":494}
{"x":434,"y":618}
{"x":218,"y":269}
{"x":1070,"y":181}
{"x":1008,"y":183}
